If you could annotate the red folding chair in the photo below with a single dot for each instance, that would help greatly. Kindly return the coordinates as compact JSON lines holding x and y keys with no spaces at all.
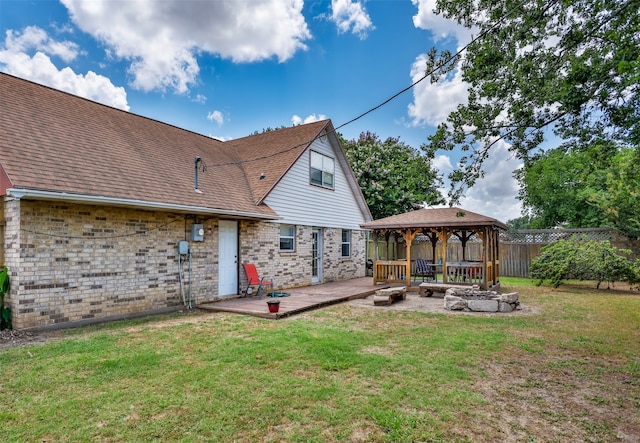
{"x":254,"y":280}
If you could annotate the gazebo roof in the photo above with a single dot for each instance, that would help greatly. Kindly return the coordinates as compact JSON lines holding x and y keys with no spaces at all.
{"x":434,"y":218}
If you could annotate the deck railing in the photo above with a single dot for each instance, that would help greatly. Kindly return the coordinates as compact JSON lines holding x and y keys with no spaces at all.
{"x":390,"y":271}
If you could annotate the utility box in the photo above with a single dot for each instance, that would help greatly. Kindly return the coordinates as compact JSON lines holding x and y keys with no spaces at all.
{"x":197,"y":232}
{"x":183,"y":247}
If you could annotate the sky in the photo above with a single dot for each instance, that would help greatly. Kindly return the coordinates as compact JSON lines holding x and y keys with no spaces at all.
{"x":229,"y":68}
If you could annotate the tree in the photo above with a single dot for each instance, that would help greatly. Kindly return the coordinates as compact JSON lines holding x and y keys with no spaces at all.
{"x":595,"y":187}
{"x":570,"y":66}
{"x":620,"y":200}
{"x":557,"y":187}
{"x":523,"y":222}
{"x":393,"y":176}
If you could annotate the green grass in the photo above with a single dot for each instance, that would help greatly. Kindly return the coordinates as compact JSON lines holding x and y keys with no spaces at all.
{"x":338,"y":374}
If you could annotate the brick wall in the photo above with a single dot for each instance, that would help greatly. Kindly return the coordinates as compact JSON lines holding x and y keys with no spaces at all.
{"x":82,"y":263}
{"x":260,"y":244}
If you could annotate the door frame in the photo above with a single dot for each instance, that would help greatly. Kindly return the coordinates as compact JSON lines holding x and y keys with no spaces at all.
{"x":230,"y":267}
{"x":317,"y":246}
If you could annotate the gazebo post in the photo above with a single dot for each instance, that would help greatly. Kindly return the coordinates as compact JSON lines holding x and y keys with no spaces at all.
{"x":485,"y":235}
{"x":463,"y":240}
{"x":444,"y":235}
{"x":434,"y":241}
{"x":496,"y":236}
{"x":408,"y":239}
{"x":387,"y":234}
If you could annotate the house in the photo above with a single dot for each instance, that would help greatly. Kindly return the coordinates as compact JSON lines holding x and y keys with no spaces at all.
{"x":106,"y":214}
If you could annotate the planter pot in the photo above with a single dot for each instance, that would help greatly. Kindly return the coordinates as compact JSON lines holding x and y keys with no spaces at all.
{"x":274,"y":305}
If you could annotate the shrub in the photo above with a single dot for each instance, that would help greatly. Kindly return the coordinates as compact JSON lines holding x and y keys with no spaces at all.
{"x":584,"y":260}
{"x":5,"y":313}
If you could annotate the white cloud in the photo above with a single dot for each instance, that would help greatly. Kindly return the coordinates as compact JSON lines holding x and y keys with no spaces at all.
{"x":162,"y":39}
{"x":216,"y":116}
{"x":27,"y":55}
{"x":440,"y":27}
{"x":34,"y":38}
{"x":351,"y":15}
{"x":432,"y":102}
{"x":495,"y":195}
{"x":442,"y":163}
{"x":297,"y":120}
{"x":202,"y":99}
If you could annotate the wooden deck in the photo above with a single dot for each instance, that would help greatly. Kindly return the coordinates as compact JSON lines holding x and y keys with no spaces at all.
{"x":300,"y":300}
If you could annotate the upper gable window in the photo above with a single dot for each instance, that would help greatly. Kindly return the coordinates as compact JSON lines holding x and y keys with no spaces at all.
{"x":322,"y":170}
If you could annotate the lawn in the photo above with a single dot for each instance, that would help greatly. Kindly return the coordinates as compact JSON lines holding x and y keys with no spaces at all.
{"x":565,"y":369}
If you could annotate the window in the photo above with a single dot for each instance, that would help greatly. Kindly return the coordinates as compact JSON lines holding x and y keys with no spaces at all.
{"x":346,"y":243}
{"x":287,"y":237}
{"x":322,"y":169}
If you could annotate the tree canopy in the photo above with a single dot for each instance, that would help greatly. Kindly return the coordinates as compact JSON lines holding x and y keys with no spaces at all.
{"x":393,"y":176}
{"x":594,"y":187}
{"x":537,"y":66}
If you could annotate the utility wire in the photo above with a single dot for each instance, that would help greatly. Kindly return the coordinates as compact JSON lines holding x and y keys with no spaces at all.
{"x":393,"y":97}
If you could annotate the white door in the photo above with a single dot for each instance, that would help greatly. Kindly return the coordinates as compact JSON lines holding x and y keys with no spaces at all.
{"x":316,"y":256}
{"x":227,"y":258}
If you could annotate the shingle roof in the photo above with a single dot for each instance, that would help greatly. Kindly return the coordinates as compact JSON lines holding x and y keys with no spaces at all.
{"x":54,"y":141}
{"x":434,"y":218}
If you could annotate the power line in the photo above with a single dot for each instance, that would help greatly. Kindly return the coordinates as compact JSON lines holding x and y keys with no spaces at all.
{"x":393,"y":97}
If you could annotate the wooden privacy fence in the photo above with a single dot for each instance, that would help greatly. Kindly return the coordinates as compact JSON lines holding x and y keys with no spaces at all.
{"x":517,"y":248}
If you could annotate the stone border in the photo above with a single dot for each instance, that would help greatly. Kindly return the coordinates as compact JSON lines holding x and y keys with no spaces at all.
{"x":480,"y":301}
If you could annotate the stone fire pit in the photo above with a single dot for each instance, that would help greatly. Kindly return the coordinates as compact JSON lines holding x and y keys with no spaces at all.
{"x":475,"y":300}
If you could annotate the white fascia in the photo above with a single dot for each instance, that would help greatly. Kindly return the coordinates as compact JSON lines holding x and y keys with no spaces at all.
{"x":33,"y":194}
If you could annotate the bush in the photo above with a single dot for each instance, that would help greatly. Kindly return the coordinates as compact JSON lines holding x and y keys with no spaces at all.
{"x":5,"y":313}
{"x":584,"y":260}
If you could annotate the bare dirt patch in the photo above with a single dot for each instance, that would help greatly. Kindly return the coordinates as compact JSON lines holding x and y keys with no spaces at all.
{"x":435,"y":305}
{"x":10,"y":338}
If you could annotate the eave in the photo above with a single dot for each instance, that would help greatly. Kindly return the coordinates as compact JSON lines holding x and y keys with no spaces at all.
{"x":34,"y":194}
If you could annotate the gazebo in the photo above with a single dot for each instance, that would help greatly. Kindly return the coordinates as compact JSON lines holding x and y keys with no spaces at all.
{"x":440,"y":225}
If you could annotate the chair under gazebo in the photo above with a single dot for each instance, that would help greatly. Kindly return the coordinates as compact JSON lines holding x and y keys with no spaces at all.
{"x":440,"y":225}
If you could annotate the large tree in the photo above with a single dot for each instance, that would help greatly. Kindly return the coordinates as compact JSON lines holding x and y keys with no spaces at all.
{"x":620,"y":199}
{"x":558,"y":187}
{"x":536,"y":66}
{"x":393,"y":176}
{"x":594,"y":187}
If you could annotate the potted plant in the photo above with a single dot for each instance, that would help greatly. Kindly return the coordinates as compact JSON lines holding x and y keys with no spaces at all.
{"x":274,"y":305}
{"x":5,"y":313}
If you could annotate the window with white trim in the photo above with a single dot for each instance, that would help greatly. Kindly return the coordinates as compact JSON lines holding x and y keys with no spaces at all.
{"x":287,"y":238}
{"x":321,"y":170}
{"x":346,"y":243}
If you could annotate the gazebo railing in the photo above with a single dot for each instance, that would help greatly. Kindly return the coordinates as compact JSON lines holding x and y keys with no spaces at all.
{"x":390,"y":271}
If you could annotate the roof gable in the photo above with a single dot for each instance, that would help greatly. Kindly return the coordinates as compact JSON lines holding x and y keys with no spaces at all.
{"x":267,"y":157}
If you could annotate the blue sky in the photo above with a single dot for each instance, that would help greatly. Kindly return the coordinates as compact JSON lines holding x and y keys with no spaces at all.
{"x":228,"y":68}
